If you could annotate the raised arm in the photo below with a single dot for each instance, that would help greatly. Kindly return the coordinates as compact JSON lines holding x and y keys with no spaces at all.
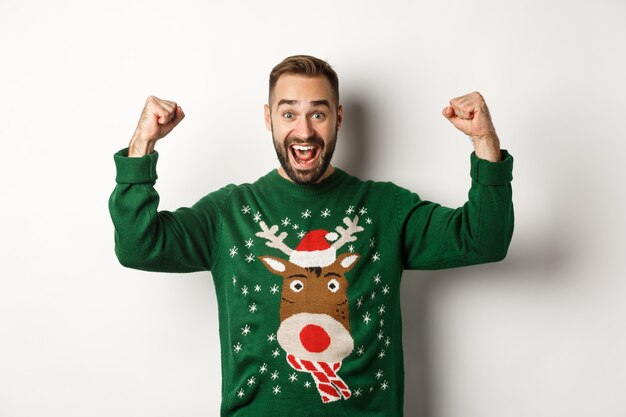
{"x":480,"y":231}
{"x":145,"y":238}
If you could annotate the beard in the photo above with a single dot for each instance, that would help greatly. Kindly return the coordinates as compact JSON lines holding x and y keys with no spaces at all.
{"x":314,"y":174}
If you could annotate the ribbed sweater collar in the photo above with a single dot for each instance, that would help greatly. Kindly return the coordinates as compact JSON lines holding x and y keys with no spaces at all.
{"x":274,"y":180}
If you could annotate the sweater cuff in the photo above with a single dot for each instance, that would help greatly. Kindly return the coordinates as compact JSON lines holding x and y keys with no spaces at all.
{"x":492,"y":173}
{"x":135,"y":170}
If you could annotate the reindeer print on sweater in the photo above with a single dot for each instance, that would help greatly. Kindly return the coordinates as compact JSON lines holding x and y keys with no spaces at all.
{"x":314,"y":310}
{"x":313,"y":274}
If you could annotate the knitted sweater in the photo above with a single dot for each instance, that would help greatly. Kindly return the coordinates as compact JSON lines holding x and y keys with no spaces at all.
{"x":307,"y":277}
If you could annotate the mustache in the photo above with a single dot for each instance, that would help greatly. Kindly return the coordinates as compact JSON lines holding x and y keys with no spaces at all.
{"x":312,"y":140}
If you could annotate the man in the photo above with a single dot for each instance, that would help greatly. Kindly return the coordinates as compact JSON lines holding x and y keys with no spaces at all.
{"x":307,"y":260}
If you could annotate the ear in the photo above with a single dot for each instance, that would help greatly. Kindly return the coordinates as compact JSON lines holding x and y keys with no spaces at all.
{"x":347,"y":260}
{"x":276,"y":265}
{"x":339,"y":116}
{"x":268,"y":117}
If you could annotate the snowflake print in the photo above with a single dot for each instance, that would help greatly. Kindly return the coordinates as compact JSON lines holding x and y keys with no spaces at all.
{"x":245,"y":209}
{"x":244,"y":290}
{"x":387,"y":341}
{"x":307,"y":384}
{"x":325,"y":213}
{"x":306,"y":214}
{"x":245,"y":330}
{"x":250,"y":258}
{"x":358,"y":392}
{"x":381,"y":354}
{"x":368,"y":221}
{"x":233,"y":251}
{"x":274,"y":375}
{"x":293,"y":377}
{"x":286,"y":221}
{"x":295,"y":227}
{"x":301,"y":234}
{"x":360,"y":350}
{"x":237,"y":348}
{"x":276,"y":353}
{"x":359,"y":302}
{"x":249,"y":243}
{"x":376,"y":257}
{"x":276,"y":390}
{"x":257,"y":217}
{"x":350,"y":210}
{"x":384,"y":385}
{"x":257,"y":288}
{"x":371,"y":389}
{"x":263,"y":368}
{"x":382,"y":322}
{"x":251,"y":380}
{"x":377,"y":279}
{"x":367,"y":318}
{"x":271,"y":337}
{"x":380,"y":335}
{"x":386,"y":289}
{"x":351,"y":248}
{"x":362,"y":211}
{"x":379,"y":374}
{"x":381,"y":309}
{"x":274,"y":289}
{"x":253,"y":308}
{"x":240,"y":393}
{"x":234,"y":280}
{"x":372,"y":242}
{"x":373,"y":295}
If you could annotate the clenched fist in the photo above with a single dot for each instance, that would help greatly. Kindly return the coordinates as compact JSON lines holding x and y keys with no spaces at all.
{"x":470,"y":115}
{"x":158,"y":119}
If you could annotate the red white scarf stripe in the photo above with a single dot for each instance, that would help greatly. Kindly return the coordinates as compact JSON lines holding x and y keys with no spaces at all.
{"x":329,"y":385}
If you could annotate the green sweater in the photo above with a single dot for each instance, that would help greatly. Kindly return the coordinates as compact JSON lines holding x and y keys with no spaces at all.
{"x":308,"y":277}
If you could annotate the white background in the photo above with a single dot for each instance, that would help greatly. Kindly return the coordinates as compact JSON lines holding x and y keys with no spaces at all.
{"x":541,"y":334}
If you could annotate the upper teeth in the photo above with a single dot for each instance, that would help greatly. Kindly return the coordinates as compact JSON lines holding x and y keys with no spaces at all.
{"x":304,"y":148}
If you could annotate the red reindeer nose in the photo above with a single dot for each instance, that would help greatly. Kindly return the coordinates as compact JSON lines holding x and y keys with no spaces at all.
{"x":314,"y":338}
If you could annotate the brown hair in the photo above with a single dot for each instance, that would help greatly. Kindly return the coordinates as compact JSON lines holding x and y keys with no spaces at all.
{"x":308,"y":66}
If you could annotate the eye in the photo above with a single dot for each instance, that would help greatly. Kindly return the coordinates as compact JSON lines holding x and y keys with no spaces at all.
{"x":288,"y":115}
{"x":333,"y":285}
{"x":318,"y":115}
{"x":296,"y":285}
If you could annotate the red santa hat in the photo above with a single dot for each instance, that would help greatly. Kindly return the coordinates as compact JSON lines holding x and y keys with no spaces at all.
{"x":314,"y":249}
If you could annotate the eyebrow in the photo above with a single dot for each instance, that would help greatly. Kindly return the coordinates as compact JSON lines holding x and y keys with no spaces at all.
{"x":314,"y":103}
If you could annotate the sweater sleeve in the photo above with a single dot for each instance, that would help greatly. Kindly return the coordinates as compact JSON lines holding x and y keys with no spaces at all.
{"x":436,"y":237}
{"x":185,"y":240}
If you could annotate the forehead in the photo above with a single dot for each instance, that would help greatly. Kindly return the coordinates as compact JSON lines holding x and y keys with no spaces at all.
{"x":302,"y":88}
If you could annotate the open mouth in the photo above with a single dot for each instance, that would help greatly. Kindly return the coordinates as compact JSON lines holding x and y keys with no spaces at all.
{"x":304,"y":156}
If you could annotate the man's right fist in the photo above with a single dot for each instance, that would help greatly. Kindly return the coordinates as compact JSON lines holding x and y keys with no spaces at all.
{"x":158,"y":119}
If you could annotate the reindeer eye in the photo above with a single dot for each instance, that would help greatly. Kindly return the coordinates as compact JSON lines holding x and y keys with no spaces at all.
{"x":333,"y":285}
{"x":296,"y":286}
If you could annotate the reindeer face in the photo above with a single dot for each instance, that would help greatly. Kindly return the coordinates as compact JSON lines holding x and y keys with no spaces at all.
{"x":314,"y":310}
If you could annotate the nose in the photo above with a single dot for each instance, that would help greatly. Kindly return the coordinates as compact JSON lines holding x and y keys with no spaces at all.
{"x":314,"y":338}
{"x":304,"y":129}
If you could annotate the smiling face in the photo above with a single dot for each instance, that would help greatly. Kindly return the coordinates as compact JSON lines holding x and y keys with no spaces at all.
{"x":304,"y":120}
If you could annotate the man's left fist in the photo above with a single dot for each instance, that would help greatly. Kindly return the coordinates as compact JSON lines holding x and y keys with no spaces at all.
{"x":469,"y":114}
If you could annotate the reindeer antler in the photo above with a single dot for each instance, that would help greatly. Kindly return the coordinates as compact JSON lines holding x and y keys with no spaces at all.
{"x":274,"y":241}
{"x":347,"y":233}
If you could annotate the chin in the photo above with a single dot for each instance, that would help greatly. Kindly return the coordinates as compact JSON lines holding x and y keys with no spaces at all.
{"x":304,"y":178}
